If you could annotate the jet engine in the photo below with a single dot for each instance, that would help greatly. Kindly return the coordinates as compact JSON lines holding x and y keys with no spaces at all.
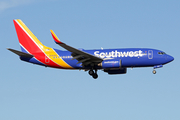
{"x":116,"y":71}
{"x":113,"y":63}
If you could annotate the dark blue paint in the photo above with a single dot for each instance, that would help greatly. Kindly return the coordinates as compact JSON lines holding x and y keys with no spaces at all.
{"x":150,"y":57}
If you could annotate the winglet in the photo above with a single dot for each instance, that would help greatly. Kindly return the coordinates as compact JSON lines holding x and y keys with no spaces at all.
{"x":56,"y":39}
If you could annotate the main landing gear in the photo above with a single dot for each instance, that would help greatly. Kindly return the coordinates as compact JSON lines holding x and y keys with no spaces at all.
{"x":93,"y":74}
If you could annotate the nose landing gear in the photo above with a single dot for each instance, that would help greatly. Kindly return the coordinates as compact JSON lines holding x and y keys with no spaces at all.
{"x":157,"y":66}
{"x":154,"y":71}
{"x":93,"y":74}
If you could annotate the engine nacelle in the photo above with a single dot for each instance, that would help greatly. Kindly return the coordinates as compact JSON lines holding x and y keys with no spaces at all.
{"x":113,"y":63}
{"x":117,"y":71}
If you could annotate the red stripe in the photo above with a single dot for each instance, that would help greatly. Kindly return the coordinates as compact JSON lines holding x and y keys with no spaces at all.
{"x":56,"y":40}
{"x":30,"y":46}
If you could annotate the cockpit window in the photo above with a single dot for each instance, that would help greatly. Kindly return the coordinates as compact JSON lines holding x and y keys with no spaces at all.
{"x":161,"y":53}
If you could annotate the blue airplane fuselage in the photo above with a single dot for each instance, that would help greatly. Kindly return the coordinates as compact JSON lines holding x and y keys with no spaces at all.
{"x":130,"y":57}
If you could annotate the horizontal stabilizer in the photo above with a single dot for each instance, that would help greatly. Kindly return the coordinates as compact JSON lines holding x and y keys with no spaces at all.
{"x":21,"y":54}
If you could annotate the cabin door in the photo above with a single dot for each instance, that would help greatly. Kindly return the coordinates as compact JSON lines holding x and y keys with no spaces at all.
{"x":150,"y":54}
{"x":46,"y":59}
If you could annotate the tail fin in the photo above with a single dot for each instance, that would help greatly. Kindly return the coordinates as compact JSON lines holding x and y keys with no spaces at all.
{"x":28,"y":41}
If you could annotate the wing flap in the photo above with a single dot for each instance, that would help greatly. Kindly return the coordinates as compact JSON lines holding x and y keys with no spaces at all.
{"x":77,"y":57}
{"x":83,"y":60}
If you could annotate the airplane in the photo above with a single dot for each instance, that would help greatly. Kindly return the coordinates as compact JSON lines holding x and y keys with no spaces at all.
{"x":111,"y":61}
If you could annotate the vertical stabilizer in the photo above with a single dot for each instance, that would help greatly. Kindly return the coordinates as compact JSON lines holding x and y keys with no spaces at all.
{"x":31,"y":46}
{"x":28,"y":41}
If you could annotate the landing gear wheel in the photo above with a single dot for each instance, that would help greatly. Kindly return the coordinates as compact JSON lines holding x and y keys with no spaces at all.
{"x":91,"y":72}
{"x":95,"y":75}
{"x":154,"y":71}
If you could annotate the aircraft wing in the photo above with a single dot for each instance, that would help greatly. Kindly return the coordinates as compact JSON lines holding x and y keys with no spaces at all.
{"x":81,"y":56}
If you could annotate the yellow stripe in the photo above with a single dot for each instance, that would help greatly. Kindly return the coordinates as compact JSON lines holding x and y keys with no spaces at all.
{"x":54,"y":35}
{"x":50,"y":53}
{"x":56,"y":58}
{"x":34,"y":38}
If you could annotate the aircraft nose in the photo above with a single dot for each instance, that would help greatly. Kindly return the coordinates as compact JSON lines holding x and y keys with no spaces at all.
{"x":170,"y":58}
